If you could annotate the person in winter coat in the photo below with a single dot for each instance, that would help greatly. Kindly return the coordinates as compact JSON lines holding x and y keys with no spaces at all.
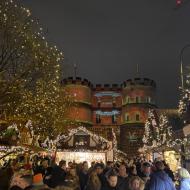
{"x":72,"y":179}
{"x":123,"y":179}
{"x":169,"y":171}
{"x":43,"y":168}
{"x":83,"y":175}
{"x":145,"y":171}
{"x":99,"y":168}
{"x":184,"y":178}
{"x":136,"y":183}
{"x":160,"y":180}
{"x":112,"y":182}
{"x":56,"y":176}
{"x":94,"y":182}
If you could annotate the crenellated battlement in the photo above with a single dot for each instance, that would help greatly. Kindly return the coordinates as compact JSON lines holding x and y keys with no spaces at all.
{"x":107,"y":87}
{"x":139,"y":81}
{"x":77,"y":81}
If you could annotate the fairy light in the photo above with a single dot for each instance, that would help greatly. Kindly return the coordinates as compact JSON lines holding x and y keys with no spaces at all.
{"x":159,"y":134}
{"x":44,"y":103}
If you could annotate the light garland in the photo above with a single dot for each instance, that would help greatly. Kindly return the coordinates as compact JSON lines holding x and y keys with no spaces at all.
{"x":51,"y":144}
{"x":158,"y":135}
{"x":6,"y":150}
{"x":73,"y":131}
{"x":11,"y":130}
{"x":118,"y":155}
{"x":32,"y":90}
{"x":184,"y":103}
{"x":81,"y":150}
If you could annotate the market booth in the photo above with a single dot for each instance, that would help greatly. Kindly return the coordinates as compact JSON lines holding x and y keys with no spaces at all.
{"x":82,"y":145}
{"x":171,"y":156}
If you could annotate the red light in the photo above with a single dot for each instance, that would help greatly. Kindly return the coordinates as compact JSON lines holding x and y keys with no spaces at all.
{"x":178,"y":2}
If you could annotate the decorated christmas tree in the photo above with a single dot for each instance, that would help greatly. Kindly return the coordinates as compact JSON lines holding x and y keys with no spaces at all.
{"x":151,"y":130}
{"x":165,"y":132}
{"x":29,"y":72}
{"x":158,"y":133}
{"x":184,"y":102}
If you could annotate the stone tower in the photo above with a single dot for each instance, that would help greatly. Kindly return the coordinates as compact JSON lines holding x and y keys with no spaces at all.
{"x":80,"y":91}
{"x":138,"y":96}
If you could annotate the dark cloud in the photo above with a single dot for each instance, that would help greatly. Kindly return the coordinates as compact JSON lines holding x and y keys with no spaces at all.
{"x":107,"y":38}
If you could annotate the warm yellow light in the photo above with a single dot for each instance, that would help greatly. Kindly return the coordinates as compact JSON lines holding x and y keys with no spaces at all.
{"x":79,"y":157}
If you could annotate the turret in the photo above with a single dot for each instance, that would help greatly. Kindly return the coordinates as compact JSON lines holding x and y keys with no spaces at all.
{"x":80,"y":92}
{"x":138,"y":96}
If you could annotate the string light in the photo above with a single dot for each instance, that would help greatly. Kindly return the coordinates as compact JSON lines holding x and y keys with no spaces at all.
{"x":33,"y":90}
{"x":158,"y":133}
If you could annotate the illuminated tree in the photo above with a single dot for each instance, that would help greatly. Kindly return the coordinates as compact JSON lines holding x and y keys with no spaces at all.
{"x":158,"y":132}
{"x":184,"y":102}
{"x":151,"y":130}
{"x":29,"y":72}
{"x":165,"y":132}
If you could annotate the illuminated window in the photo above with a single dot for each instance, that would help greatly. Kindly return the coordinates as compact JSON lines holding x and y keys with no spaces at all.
{"x":149,"y":99}
{"x":137,"y":117}
{"x":98,"y":118}
{"x":114,"y":102}
{"x":114,"y":119}
{"x":99,"y":102}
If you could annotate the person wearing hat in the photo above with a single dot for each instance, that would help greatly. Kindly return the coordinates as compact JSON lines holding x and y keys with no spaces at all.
{"x":99,"y":168}
{"x":144,"y":174}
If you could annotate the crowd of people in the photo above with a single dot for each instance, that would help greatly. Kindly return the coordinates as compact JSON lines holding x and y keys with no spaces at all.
{"x":136,"y":174}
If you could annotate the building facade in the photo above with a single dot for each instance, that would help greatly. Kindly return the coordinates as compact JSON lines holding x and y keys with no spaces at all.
{"x":119,"y":107}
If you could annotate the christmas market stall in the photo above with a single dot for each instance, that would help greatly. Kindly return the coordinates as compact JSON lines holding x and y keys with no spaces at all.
{"x":16,"y":140}
{"x":82,"y":145}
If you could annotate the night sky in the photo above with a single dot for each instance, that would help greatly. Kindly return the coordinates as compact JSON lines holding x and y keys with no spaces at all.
{"x":108,"y":38}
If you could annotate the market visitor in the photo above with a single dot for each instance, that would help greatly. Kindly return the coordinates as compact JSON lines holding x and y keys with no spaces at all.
{"x":41,"y":172}
{"x":136,"y":183}
{"x":159,"y":180}
{"x":184,"y":179}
